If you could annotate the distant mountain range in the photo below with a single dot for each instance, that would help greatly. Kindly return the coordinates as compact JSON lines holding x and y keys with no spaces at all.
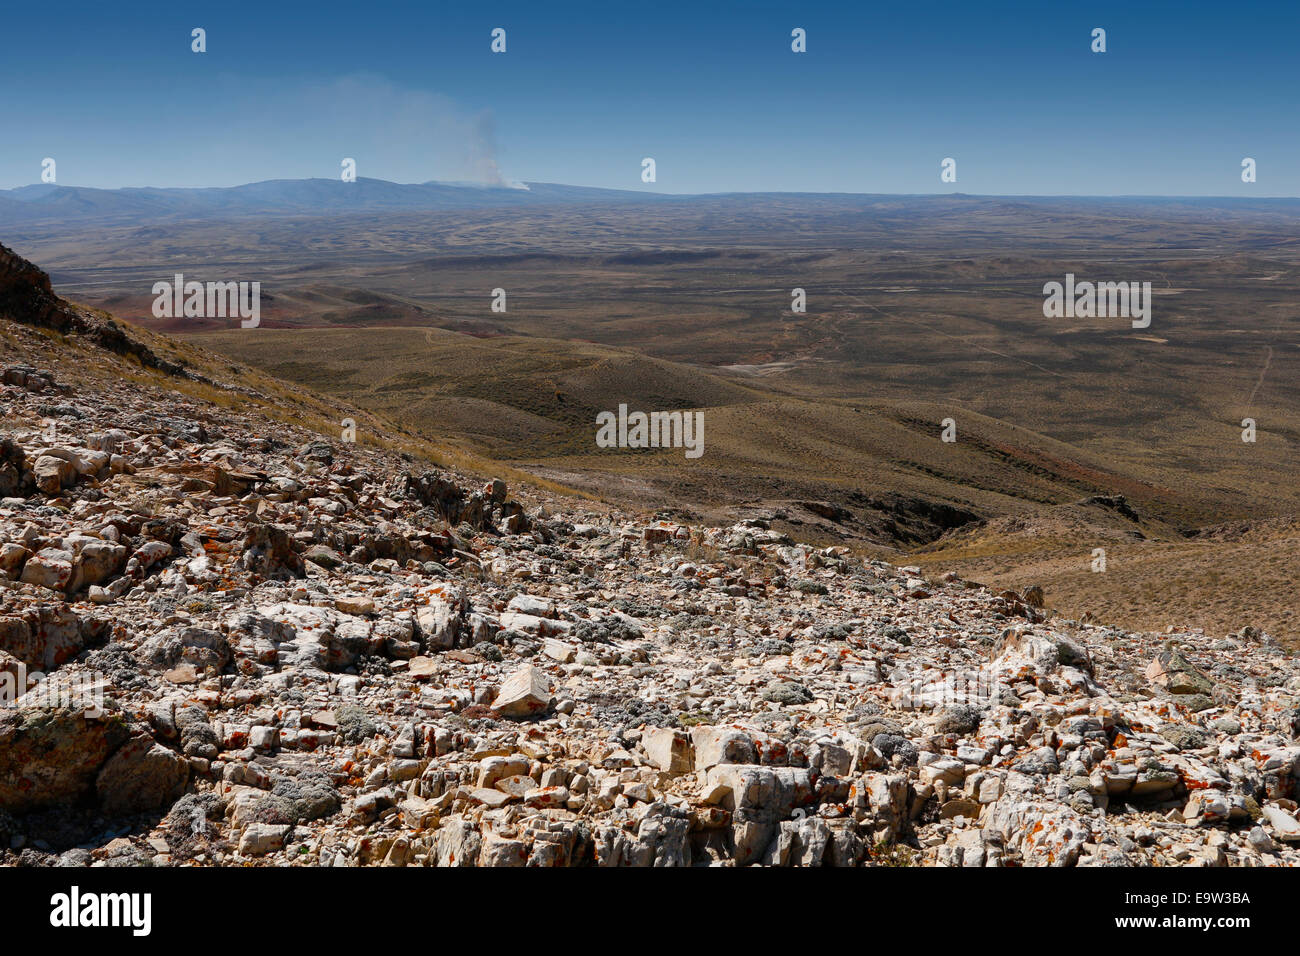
{"x":50,"y":203}
{"x":46,"y":201}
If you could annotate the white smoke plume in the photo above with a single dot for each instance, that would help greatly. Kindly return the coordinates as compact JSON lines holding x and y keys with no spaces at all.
{"x":395,"y":132}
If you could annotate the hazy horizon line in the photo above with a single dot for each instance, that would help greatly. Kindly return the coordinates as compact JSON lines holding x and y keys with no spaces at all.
{"x":522,"y":186}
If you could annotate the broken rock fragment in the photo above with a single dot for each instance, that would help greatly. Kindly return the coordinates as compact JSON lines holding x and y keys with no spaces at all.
{"x":525,"y":693}
{"x":1176,"y":674}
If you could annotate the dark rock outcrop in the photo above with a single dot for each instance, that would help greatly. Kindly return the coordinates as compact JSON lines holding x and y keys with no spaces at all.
{"x":26,"y":296}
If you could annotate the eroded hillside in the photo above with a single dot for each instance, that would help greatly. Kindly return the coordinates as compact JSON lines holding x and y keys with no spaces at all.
{"x":260,"y":644}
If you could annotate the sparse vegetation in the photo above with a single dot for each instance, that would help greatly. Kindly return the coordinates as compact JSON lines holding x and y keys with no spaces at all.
{"x":927,"y":308}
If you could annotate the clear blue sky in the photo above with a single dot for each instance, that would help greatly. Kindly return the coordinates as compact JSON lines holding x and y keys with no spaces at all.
{"x":712,"y":91}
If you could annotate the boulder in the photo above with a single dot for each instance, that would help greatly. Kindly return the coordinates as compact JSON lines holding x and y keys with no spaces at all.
{"x":50,"y":568}
{"x":141,"y":775}
{"x":258,"y":839}
{"x":52,"y":756}
{"x":203,"y":649}
{"x":440,"y":620}
{"x":268,"y":551}
{"x":45,"y":636}
{"x":668,"y":749}
{"x":53,"y":474}
{"x":1176,"y":674}
{"x":525,"y":693}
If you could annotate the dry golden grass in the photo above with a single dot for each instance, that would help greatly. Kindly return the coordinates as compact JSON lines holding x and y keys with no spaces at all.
{"x":1213,"y":584}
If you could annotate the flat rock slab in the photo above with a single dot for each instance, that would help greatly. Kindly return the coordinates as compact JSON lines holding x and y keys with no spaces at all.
{"x":490,"y":798}
{"x":1285,"y":826}
{"x":355,"y":605}
{"x":422,"y":668}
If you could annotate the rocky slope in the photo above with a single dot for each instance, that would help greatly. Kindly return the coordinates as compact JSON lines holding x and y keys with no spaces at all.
{"x":259,"y":644}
